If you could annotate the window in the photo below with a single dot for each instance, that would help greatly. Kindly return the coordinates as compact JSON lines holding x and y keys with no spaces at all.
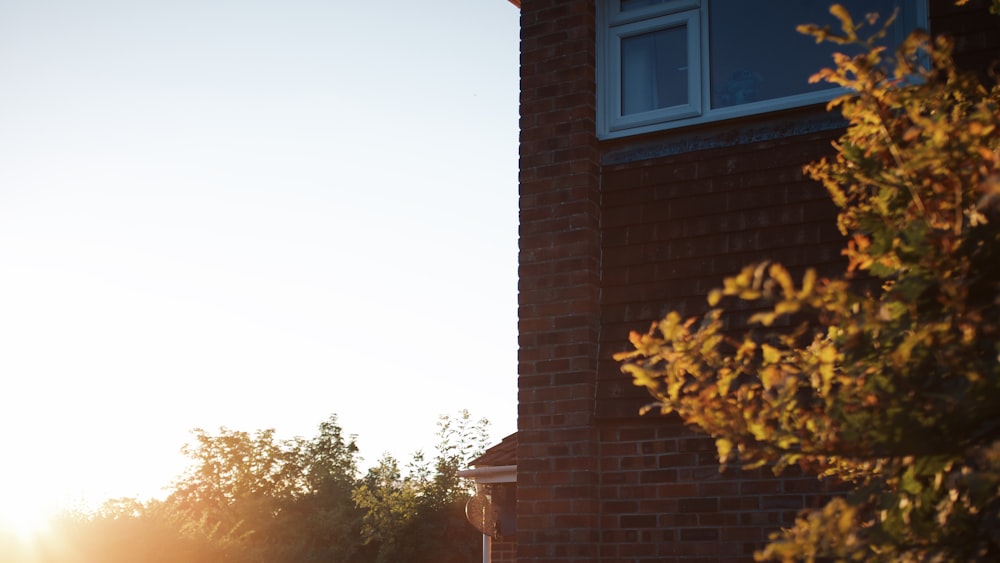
{"x":671,"y":63}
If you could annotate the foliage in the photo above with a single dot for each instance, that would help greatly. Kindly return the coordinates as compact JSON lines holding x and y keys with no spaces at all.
{"x":127,"y":530}
{"x":420,"y":516}
{"x":887,"y":378}
{"x":282,"y":500}
{"x":994,"y":5}
{"x":249,"y":497}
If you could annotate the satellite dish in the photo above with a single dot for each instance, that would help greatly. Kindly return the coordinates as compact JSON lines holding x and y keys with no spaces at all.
{"x":482,"y":514}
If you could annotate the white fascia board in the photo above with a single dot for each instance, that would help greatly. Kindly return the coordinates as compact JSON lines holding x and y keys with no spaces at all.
{"x":491,"y":474}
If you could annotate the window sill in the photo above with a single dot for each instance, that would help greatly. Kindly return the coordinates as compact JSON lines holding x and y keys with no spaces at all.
{"x":720,"y":134}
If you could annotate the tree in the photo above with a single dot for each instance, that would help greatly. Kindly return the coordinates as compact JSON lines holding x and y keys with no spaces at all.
{"x":125,"y":530}
{"x":887,"y":378}
{"x":420,"y":515}
{"x":283,"y":500}
{"x":249,"y":497}
{"x":323,"y":522}
{"x":389,"y":503}
{"x":238,"y":482}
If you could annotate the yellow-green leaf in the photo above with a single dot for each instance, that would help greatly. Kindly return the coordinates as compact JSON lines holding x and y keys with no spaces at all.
{"x":771,"y":354}
{"x":779,"y":274}
{"x":714,"y":297}
{"x":725,"y":447}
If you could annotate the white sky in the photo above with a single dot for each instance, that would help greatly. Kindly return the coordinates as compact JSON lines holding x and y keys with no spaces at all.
{"x":250,"y":213}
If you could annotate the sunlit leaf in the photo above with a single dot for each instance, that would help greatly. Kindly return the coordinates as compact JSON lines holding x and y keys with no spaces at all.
{"x":888,"y":382}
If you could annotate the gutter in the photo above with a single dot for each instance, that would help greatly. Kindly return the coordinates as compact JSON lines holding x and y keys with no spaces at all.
{"x":491,"y":474}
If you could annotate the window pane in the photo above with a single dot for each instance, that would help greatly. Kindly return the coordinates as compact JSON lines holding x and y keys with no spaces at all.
{"x":756,"y":54}
{"x":627,"y":5}
{"x":654,"y":70}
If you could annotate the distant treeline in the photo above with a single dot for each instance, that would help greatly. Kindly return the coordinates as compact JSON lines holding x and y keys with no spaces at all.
{"x":250,"y":497}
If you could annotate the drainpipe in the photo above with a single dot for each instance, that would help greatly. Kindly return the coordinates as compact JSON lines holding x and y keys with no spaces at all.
{"x":490,"y":474}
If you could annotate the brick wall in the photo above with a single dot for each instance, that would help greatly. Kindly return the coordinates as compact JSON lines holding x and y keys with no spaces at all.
{"x":559,"y":259}
{"x":976,"y":35}
{"x":504,"y":550}
{"x":673,"y":227}
{"x":663,"y":497}
{"x":614,"y":234}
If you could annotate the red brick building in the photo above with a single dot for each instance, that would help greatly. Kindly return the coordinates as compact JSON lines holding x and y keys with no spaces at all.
{"x":661,"y":150}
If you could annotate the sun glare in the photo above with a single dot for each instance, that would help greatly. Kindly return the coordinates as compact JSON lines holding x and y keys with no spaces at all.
{"x":24,"y":514}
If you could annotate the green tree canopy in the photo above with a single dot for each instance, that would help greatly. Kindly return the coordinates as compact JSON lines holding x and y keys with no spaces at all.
{"x":249,"y":497}
{"x":418,"y":515}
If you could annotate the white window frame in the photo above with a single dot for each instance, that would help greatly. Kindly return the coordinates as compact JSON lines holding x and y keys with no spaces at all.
{"x":688,"y":19}
{"x":613,"y":25}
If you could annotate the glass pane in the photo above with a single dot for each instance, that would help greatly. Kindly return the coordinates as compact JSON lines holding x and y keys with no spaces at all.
{"x":757,"y":54}
{"x":627,"y":5}
{"x":654,"y":70}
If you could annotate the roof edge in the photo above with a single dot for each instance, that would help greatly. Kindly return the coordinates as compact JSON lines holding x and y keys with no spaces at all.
{"x":491,"y":474}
